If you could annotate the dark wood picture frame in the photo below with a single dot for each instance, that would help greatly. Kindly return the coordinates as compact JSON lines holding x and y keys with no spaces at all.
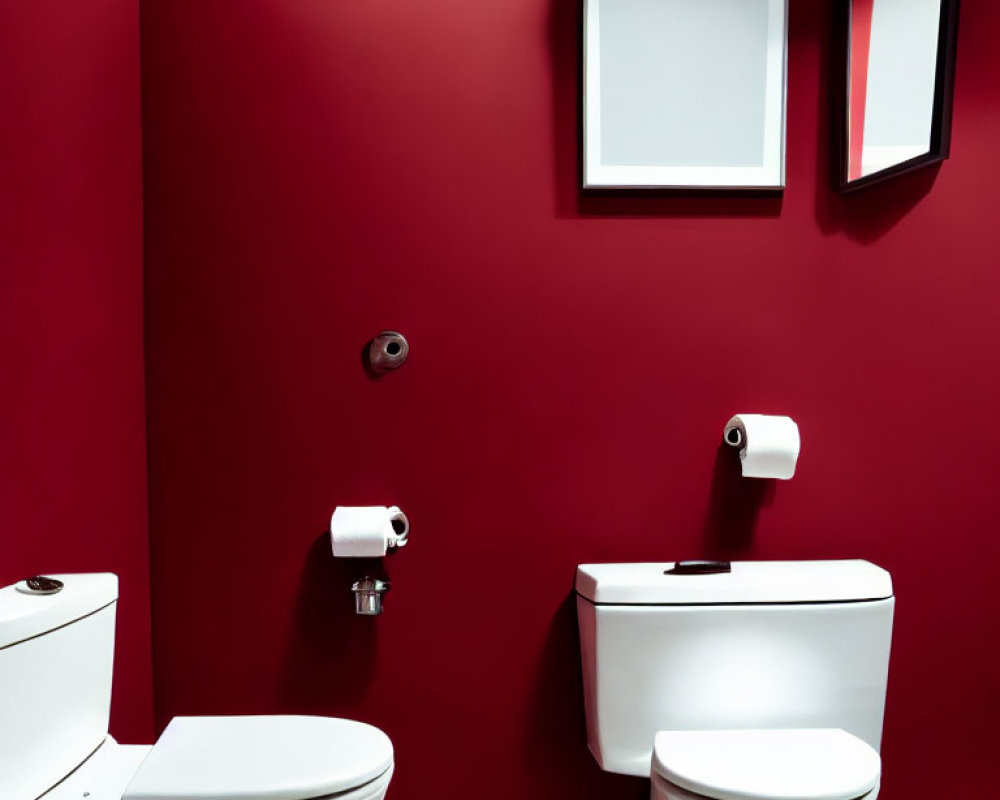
{"x":944,"y":90}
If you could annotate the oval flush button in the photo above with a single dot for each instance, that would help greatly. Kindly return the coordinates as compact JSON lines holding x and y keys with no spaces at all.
{"x":40,"y":585}
{"x":699,"y":568}
{"x":388,"y":351}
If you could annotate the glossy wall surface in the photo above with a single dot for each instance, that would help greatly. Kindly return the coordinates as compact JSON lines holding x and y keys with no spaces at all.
{"x":72,"y":427}
{"x":319,"y":171}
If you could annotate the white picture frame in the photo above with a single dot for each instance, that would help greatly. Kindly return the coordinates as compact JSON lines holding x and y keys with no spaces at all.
{"x":684,"y":94}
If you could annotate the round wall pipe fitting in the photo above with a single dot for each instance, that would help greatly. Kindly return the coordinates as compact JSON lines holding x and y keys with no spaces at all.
{"x":388,"y":351}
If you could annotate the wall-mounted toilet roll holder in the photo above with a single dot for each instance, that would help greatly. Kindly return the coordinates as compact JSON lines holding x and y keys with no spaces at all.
{"x":768,"y":445}
{"x":368,"y":532}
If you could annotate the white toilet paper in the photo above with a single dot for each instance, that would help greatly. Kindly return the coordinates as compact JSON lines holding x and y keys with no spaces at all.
{"x":769,"y":446}
{"x":367,"y":531}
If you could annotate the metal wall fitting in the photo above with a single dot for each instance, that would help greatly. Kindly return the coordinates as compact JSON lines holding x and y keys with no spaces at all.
{"x":388,"y":351}
{"x":368,"y":596}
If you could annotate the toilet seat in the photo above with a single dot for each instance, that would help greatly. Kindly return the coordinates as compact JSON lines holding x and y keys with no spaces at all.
{"x":818,"y":764}
{"x":261,"y":758}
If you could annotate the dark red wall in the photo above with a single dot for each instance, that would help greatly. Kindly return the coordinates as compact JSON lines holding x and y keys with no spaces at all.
{"x":317,"y":171}
{"x":72,"y":429}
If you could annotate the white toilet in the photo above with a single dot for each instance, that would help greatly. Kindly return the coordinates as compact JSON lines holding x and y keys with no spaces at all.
{"x":742,"y":681}
{"x":56,"y":659}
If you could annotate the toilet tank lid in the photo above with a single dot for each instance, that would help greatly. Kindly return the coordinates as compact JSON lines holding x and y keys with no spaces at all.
{"x":24,"y":616}
{"x":748,"y":582}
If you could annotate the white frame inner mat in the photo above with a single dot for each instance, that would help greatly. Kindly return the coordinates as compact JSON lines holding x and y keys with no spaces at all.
{"x":684,"y":94}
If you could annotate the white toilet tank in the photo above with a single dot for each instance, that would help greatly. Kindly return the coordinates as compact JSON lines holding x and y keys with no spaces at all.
{"x":56,"y":660}
{"x":793,"y":644}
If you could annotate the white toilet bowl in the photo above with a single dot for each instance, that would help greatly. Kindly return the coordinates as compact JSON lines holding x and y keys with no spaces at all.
{"x":240,"y":758}
{"x":819,"y":764}
{"x":57,"y":637}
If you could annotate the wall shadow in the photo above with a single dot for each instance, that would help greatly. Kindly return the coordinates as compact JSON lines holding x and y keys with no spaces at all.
{"x":565,"y":34}
{"x":556,"y":753}
{"x":675,"y":203}
{"x":867,"y":214}
{"x":733,"y":507}
{"x":328,"y":638}
{"x":366,"y":362}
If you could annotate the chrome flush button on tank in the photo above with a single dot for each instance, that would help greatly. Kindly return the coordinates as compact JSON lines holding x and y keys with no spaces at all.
{"x":40,"y":585}
{"x":368,"y":595}
{"x":388,"y":351}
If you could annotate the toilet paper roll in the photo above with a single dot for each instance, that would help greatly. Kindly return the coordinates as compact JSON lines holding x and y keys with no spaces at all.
{"x":769,"y":446}
{"x":367,"y":531}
